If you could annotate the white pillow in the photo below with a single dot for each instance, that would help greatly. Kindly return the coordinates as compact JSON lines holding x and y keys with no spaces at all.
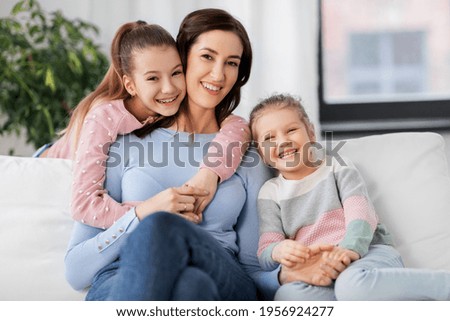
{"x":35,"y":227}
{"x":408,"y":181}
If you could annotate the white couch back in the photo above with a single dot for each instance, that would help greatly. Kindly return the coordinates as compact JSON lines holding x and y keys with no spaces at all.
{"x":406,"y":174}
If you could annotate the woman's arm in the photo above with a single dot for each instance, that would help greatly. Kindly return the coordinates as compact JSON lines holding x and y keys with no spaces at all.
{"x":253,"y":174}
{"x":90,"y":249}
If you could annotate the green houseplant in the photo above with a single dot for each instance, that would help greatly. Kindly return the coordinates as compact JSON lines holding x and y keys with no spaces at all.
{"x":48,"y":63}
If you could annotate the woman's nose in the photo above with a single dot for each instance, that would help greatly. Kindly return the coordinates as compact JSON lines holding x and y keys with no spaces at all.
{"x":217,"y":72}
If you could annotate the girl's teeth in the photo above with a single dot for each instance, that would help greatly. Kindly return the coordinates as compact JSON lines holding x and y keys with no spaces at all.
{"x":283,"y":155}
{"x":165,"y":101}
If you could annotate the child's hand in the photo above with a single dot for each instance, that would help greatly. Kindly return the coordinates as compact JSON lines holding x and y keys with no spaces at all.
{"x":310,"y":271}
{"x":207,"y":180}
{"x":324,"y":265}
{"x":289,"y":253}
{"x":343,"y":255}
{"x":336,"y":260}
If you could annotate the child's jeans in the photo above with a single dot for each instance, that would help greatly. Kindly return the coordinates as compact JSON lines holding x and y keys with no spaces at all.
{"x":379,"y":275}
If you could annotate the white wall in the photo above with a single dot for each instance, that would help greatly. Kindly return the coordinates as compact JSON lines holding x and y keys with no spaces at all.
{"x":283,"y":35}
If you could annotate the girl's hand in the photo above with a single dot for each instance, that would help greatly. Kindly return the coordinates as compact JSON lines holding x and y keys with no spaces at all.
{"x":177,"y":200}
{"x":290,"y":253}
{"x":316,"y":270}
{"x":207,"y":180}
{"x":310,"y":271}
{"x":337,"y":260}
{"x":343,"y":255}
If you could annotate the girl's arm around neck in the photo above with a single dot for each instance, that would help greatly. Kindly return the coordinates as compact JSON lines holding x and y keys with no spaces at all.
{"x":91,"y":203}
{"x":228,"y":147}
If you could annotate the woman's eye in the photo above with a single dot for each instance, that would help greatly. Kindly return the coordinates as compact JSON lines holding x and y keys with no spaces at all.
{"x":207,"y":57}
{"x":290,"y":130}
{"x":152,"y":78}
{"x":178,"y":72}
{"x":233,"y":64}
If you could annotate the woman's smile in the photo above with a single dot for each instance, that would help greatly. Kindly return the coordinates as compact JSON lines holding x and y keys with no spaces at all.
{"x":210,"y":88}
{"x":212,"y":68}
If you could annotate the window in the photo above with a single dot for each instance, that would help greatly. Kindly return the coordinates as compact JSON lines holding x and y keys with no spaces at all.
{"x":384,"y":65}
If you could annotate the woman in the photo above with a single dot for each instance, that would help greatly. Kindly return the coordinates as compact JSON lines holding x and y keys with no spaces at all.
{"x":162,"y":256}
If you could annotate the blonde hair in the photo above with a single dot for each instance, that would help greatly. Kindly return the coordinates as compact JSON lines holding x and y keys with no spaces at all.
{"x":277,"y":102}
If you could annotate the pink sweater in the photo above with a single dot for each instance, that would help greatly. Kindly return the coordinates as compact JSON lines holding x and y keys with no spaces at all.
{"x":91,"y":203}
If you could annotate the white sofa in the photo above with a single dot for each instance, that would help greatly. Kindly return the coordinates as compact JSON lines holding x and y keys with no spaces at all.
{"x":406,"y":174}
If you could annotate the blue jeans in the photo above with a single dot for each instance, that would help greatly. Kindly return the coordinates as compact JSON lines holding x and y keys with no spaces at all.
{"x":169,"y":258}
{"x":379,"y":275}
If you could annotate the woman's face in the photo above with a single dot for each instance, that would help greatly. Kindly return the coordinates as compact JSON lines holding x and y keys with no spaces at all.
{"x":212,"y":68}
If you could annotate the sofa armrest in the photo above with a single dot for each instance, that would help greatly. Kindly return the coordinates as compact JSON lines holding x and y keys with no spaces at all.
{"x":35,"y":227}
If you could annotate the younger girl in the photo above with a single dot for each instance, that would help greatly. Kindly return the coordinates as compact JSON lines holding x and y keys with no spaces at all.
{"x":324,"y":202}
{"x":144,"y":84}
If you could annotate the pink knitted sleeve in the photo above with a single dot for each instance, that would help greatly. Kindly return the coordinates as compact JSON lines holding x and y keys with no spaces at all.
{"x":62,"y":148}
{"x":228,"y":147}
{"x":91,"y":204}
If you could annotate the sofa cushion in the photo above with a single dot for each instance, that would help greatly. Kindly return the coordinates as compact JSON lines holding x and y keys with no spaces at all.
{"x":408,"y":181}
{"x":35,"y":228}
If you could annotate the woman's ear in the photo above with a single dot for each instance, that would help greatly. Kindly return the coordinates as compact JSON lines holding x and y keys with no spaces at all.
{"x":129,"y":85}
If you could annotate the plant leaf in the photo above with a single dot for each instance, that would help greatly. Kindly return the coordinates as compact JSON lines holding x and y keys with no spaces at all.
{"x":75,"y":63}
{"x":50,"y":79}
{"x":18,"y":7}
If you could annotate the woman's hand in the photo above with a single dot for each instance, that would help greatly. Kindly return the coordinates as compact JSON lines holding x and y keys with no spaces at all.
{"x":289,"y":253}
{"x":207,"y":180}
{"x":177,"y":200}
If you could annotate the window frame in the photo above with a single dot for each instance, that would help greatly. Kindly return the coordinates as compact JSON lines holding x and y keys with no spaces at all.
{"x":384,"y":116}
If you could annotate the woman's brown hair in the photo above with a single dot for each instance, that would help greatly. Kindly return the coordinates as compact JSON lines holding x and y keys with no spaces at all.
{"x":192,"y":26}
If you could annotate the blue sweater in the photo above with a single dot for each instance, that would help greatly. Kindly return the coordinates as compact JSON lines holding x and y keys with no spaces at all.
{"x":138,"y":169}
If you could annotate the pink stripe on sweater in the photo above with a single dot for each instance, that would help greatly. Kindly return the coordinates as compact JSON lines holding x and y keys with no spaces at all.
{"x":358,"y":208}
{"x":268,"y":238}
{"x":329,"y":229}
